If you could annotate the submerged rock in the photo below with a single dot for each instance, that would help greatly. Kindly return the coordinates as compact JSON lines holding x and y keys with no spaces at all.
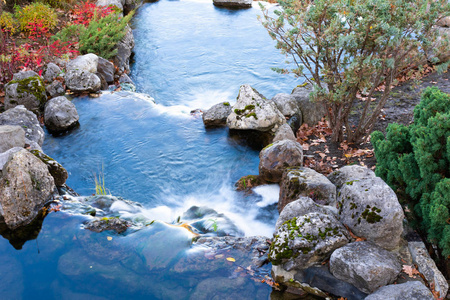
{"x":253,"y":111}
{"x":207,"y":220}
{"x":412,"y":290}
{"x":277,"y":157}
{"x":113,"y":224}
{"x":24,"y":118}
{"x":299,"y":181}
{"x":365,"y":265}
{"x":371,"y":209}
{"x":60,"y":115}
{"x":25,"y":187}
{"x":217,"y":115}
{"x":26,"y":89}
{"x":306,"y":240}
{"x":11,"y":136}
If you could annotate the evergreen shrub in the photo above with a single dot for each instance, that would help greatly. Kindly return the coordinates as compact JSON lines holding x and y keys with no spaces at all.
{"x":415,"y":161}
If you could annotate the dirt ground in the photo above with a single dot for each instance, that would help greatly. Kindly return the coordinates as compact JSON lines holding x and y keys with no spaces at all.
{"x":326,"y":156}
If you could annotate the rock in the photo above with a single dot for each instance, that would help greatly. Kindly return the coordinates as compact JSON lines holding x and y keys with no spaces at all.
{"x":124,"y":78}
{"x":284,"y":132}
{"x":5,"y":156}
{"x":444,"y":22}
{"x":106,"y":68}
{"x":57,"y":171}
{"x":440,"y":48}
{"x":20,"y":116}
{"x":371,"y":209}
{"x":275,"y":158}
{"x":82,"y":81}
{"x":246,"y":183}
{"x":312,"y":112}
{"x":26,"y":89}
{"x":412,"y":290}
{"x":117,"y":3}
{"x":287,"y":104}
{"x":306,"y":240}
{"x":217,"y":115}
{"x":207,"y":220}
{"x":253,"y":111}
{"x":247,"y":251}
{"x":87,"y":62}
{"x":124,"y":49}
{"x":233,"y":3}
{"x":60,"y":115}
{"x":11,"y":136}
{"x":25,"y":187}
{"x":114,"y":224}
{"x":427,"y":267}
{"x":103,"y":84}
{"x":365,"y":265}
{"x":55,"y":89}
{"x":300,"y":207}
{"x":350,"y":173}
{"x":319,"y":277}
{"x":295,"y":122}
{"x":298,"y":181}
{"x":51,"y":71}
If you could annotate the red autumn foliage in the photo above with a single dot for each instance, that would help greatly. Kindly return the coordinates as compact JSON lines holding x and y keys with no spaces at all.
{"x":85,"y":12}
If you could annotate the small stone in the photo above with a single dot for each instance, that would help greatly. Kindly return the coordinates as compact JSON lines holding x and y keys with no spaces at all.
{"x":60,"y":115}
{"x":217,"y":115}
{"x":51,"y":72}
{"x":233,"y":3}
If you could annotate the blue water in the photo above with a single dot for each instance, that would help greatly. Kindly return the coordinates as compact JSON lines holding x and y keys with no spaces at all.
{"x":189,"y":55}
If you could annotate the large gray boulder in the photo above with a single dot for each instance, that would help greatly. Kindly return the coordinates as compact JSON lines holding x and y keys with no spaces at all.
{"x":287,"y":104}
{"x":87,"y":62}
{"x":57,"y":171}
{"x":348,"y":174}
{"x":233,"y":3}
{"x":4,"y":156}
{"x":55,"y":89}
{"x":427,"y":266}
{"x":26,"y":89}
{"x":312,"y":112}
{"x":24,"y":118}
{"x":60,"y":115}
{"x":371,"y":209}
{"x":253,"y":111}
{"x":411,"y":290}
{"x":275,"y":158}
{"x":124,"y":49}
{"x":217,"y":115}
{"x":118,"y":3}
{"x":284,"y":132}
{"x":11,"y":136}
{"x":82,"y":81}
{"x":306,"y":240}
{"x":299,"y":181}
{"x":106,"y":69}
{"x":51,"y":71}
{"x":300,"y":207}
{"x":26,"y":185}
{"x":365,"y":265}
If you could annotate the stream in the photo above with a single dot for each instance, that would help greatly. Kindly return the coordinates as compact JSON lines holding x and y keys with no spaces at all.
{"x":160,"y":162}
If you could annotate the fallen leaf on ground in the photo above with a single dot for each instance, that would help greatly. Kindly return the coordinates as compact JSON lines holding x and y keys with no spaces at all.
{"x":410,"y":270}
{"x":231,"y":259}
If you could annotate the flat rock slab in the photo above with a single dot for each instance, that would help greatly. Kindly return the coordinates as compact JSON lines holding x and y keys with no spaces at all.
{"x":412,"y":290}
{"x":233,"y":3}
{"x":365,"y":265}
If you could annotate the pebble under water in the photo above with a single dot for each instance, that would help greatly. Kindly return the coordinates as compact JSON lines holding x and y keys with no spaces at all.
{"x":161,"y":160}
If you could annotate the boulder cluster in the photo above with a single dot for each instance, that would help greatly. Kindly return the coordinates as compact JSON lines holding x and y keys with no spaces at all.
{"x":343,"y":233}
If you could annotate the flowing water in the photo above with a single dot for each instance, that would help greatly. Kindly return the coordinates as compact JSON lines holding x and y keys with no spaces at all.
{"x":188,"y":55}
